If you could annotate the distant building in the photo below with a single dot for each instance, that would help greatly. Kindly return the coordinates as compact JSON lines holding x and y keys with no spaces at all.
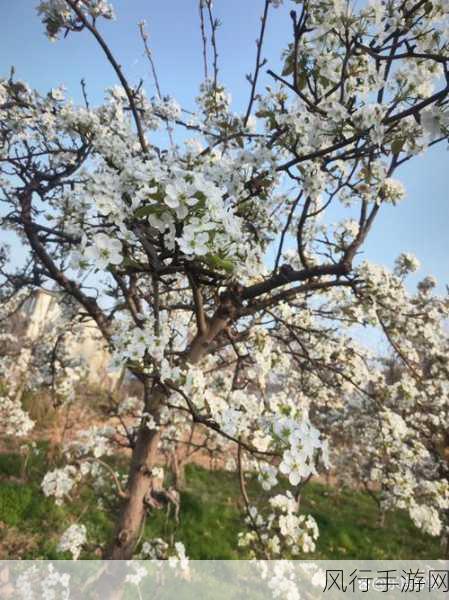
{"x":41,"y":311}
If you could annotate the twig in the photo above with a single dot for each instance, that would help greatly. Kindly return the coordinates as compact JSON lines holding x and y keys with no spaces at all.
{"x":259,"y":63}
{"x":203,"y":38}
{"x":83,"y":87}
{"x":117,"y":68}
{"x":214,"y":26}
{"x":120,"y":490}
{"x":149,"y":55}
{"x":199,"y":306}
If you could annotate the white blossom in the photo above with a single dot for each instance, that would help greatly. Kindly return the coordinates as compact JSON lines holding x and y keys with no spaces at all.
{"x":73,"y":539}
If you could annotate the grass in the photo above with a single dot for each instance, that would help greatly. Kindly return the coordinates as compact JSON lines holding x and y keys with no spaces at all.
{"x":210,"y":518}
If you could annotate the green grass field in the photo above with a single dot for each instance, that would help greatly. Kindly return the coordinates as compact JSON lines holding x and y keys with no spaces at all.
{"x":210,"y":519}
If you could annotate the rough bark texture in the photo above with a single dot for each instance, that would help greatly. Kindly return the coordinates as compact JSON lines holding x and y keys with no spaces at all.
{"x":133,"y":511}
{"x":139,"y":485}
{"x":179,"y":471}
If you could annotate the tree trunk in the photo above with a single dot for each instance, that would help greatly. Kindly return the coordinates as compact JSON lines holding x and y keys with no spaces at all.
{"x":143,"y":460}
{"x":179,"y":471}
{"x":445,"y":536}
{"x":132,"y":514}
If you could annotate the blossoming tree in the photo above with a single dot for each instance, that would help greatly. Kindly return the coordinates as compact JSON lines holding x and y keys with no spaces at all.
{"x":396,"y":426}
{"x":208,"y":265}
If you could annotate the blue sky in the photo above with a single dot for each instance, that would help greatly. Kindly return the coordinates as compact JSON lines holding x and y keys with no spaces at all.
{"x":419,"y":224}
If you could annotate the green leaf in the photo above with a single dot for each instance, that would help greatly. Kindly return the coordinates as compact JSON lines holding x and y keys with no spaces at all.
{"x":397,"y":145}
{"x":288,"y":67}
{"x":129,"y":262}
{"x":144,"y":211}
{"x":302,"y":81}
{"x":221,"y":264}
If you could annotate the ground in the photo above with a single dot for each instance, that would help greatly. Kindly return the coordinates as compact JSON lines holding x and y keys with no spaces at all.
{"x":210,"y":518}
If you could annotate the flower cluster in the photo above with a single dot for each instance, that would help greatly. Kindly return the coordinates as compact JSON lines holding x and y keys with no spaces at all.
{"x":158,"y":549}
{"x":283,"y":531}
{"x":58,"y":15}
{"x":59,"y":483}
{"x":72,"y":540}
{"x":33,"y":583}
{"x":15,"y":421}
{"x":304,"y":442}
